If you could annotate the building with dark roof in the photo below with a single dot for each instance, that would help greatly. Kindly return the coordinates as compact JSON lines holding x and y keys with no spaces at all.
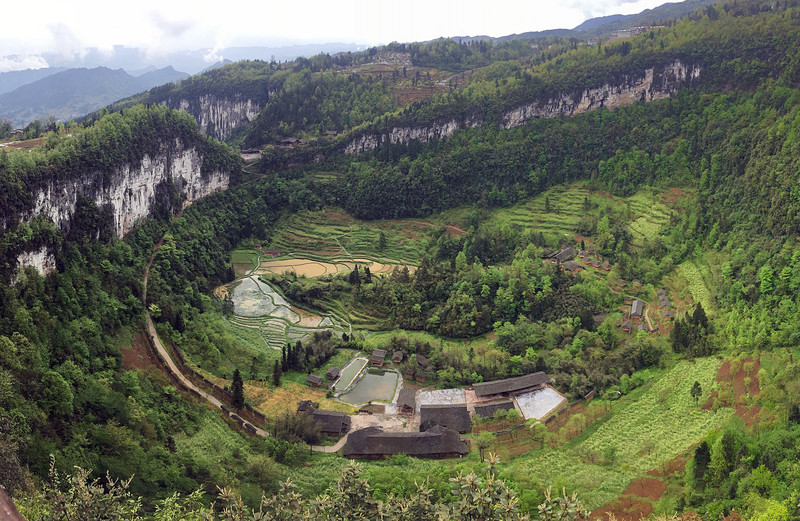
{"x":331,"y":422}
{"x":378,"y":357}
{"x":637,"y":308}
{"x":572,"y":266}
{"x":488,"y":410}
{"x":333,"y":373}
{"x":422,"y":362}
{"x":643,"y":327}
{"x":627,"y":326}
{"x":314,"y":380}
{"x":518,"y":384}
{"x":565,"y":254}
{"x":373,"y":443}
{"x":407,"y":400}
{"x":661,"y":292}
{"x":667,"y":314}
{"x":454,"y":417}
{"x":398,"y":356}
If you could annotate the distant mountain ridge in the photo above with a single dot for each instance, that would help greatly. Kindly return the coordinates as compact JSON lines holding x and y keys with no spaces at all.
{"x":74,"y":92}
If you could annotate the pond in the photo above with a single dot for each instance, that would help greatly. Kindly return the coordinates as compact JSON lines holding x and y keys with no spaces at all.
{"x":253,"y":298}
{"x":373,"y":387}
{"x":349,"y":373}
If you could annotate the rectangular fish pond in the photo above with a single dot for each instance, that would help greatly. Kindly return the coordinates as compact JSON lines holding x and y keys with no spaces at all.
{"x":349,"y":373}
{"x":373,"y":387}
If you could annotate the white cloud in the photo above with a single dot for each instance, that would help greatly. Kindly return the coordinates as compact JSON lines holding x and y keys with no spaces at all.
{"x":161,"y":26}
{"x":20,"y":63}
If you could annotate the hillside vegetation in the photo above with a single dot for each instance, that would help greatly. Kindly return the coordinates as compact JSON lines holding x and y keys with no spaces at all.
{"x":695,"y":195}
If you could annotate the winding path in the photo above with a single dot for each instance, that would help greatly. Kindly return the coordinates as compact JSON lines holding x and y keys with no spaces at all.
{"x":173,"y":367}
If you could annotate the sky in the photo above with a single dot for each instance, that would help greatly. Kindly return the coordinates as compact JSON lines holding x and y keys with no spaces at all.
{"x":28,"y":29}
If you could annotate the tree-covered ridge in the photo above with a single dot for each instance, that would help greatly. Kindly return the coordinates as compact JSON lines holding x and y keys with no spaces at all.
{"x":734,"y":48}
{"x":314,"y":103}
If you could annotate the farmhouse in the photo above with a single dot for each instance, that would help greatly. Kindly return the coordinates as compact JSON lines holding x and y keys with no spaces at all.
{"x":643,"y":327}
{"x":572,"y":267}
{"x":581,"y":253}
{"x":627,"y":326}
{"x":566,"y":254}
{"x":597,"y":264}
{"x":306,"y":405}
{"x":314,"y":380}
{"x":487,"y":411}
{"x":588,"y":261}
{"x":606,"y":266}
{"x":331,"y":423}
{"x":422,"y":362}
{"x":407,"y":400}
{"x":454,"y":417}
{"x":377,"y":358}
{"x":663,"y":302}
{"x":372,"y":443}
{"x":398,"y":356}
{"x":333,"y":373}
{"x":668,"y":314}
{"x":516,"y":385}
{"x":637,"y":308}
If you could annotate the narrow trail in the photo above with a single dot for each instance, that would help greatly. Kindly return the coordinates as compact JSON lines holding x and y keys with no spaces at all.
{"x":171,"y":365}
{"x":647,"y":316}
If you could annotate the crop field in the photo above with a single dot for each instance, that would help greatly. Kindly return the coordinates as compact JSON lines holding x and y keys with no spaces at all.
{"x":259,"y":306}
{"x":566,"y":210}
{"x":697,"y":286}
{"x":332,"y":233}
{"x":650,"y":216}
{"x":642,"y":432}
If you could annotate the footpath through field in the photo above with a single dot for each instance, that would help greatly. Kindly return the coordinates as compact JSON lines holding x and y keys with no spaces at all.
{"x":172,"y":366}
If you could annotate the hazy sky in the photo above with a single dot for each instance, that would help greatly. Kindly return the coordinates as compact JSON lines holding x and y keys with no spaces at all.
{"x":161,"y":26}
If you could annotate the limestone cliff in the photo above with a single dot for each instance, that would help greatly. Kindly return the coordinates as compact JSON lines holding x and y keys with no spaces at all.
{"x":652,"y":84}
{"x":127,"y":194}
{"x":218,"y":117}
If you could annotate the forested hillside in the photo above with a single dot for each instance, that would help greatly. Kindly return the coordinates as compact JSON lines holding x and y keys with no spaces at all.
{"x":690,"y":196}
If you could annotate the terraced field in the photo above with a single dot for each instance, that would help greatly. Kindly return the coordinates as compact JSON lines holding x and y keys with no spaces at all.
{"x":663,"y":412}
{"x":650,"y":216}
{"x":566,"y":210}
{"x":261,"y":307}
{"x":333,"y":233}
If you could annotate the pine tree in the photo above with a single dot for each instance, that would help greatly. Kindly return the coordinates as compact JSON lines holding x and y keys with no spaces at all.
{"x":285,"y":357}
{"x":237,"y":388}
{"x":276,"y":374}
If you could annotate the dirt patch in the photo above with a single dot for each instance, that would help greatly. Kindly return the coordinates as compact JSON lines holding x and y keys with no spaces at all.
{"x":624,"y":509}
{"x":648,"y":488}
{"x":240,"y":269}
{"x":750,"y":415}
{"x":139,"y":355}
{"x":724,"y":373}
{"x":674,"y":466}
{"x":755,"y":386}
{"x":307,"y":319}
{"x":455,"y":230}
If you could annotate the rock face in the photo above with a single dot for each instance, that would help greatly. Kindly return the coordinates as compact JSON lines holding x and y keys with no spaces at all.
{"x":651,"y":85}
{"x":127,"y":194}
{"x":218,"y":117}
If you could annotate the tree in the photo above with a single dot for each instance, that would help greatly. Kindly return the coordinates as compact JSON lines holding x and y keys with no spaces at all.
{"x":237,"y":388}
{"x":696,"y":391}
{"x":382,"y":241}
{"x":276,"y":374}
{"x":485,"y":440}
{"x":547,"y":204}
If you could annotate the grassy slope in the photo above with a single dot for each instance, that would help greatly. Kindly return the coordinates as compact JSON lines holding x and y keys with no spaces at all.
{"x":662,"y":412}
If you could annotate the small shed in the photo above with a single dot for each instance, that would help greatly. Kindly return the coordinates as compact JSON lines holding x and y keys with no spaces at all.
{"x":637,"y":308}
{"x":581,"y":253}
{"x":333,"y":373}
{"x":422,"y":362}
{"x":314,"y":380}
{"x":398,"y":356}
{"x":407,"y":400}
{"x":378,"y":357}
{"x":306,"y":405}
{"x":488,"y":410}
{"x":643,"y":327}
{"x":668,"y":314}
{"x":606,"y":266}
